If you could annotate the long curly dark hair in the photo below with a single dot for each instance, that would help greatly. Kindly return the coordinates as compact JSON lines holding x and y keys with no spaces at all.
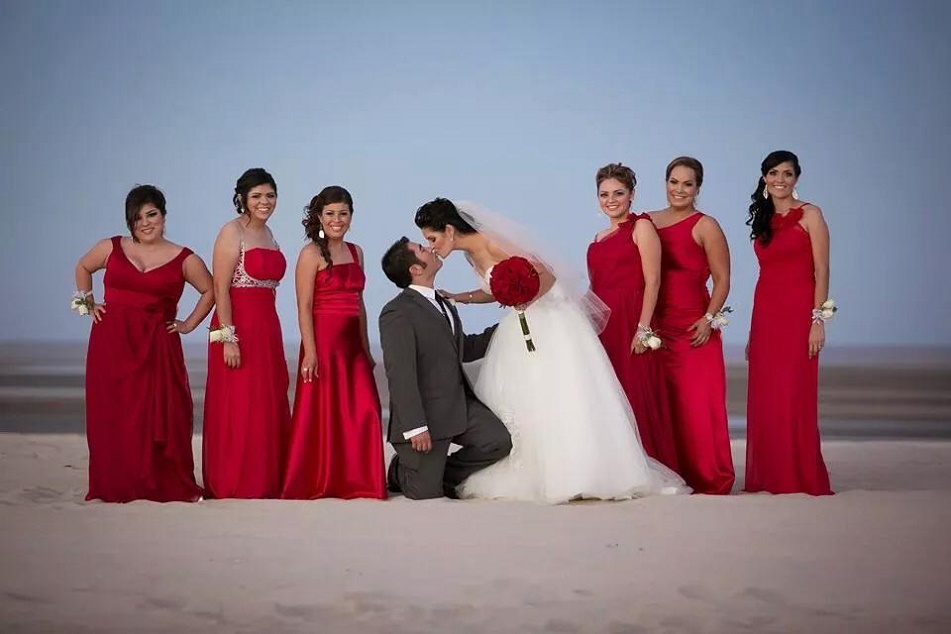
{"x":762,"y":209}
{"x":327,"y":196}
{"x":248,"y":181}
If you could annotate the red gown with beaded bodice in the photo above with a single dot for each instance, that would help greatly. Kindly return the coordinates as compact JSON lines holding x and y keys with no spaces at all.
{"x":245,"y":427}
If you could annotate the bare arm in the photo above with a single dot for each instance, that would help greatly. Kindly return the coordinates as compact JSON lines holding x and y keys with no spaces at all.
{"x":196,"y":274}
{"x":819,"y":239}
{"x":94,"y":260}
{"x":648,"y":243}
{"x":223,"y":262}
{"x":818,"y":230}
{"x":477,"y":296}
{"x":308,"y":263}
{"x":710,"y":237}
{"x":718,"y":257}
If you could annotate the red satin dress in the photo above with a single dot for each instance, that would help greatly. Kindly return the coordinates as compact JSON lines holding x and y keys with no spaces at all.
{"x":617,"y":278}
{"x":336,"y":445}
{"x":138,"y":402}
{"x":696,"y":377}
{"x":783,"y":453}
{"x":247,"y":415}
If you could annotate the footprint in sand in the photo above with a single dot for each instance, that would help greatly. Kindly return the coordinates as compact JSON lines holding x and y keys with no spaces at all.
{"x":39,"y":495}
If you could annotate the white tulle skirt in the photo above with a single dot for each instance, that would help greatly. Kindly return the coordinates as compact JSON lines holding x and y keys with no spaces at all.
{"x":573,"y":431}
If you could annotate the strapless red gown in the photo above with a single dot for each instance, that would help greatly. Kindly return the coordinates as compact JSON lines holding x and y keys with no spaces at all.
{"x":138,"y":402}
{"x":247,"y":415}
{"x":696,"y":377}
{"x":617,"y":278}
{"x":336,"y":445}
{"x":783,"y":453}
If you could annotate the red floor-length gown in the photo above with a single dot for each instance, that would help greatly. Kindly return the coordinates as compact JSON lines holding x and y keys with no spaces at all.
{"x":783,"y":453}
{"x":696,"y":377}
{"x":247,"y":416}
{"x":617,"y":278}
{"x":336,"y":445}
{"x":138,"y":402}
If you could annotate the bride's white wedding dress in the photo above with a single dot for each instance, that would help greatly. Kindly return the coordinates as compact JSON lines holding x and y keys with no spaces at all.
{"x":573,"y":431}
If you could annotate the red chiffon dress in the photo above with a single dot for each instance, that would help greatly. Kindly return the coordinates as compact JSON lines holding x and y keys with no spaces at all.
{"x":138,"y":402}
{"x":246,"y":410}
{"x":696,"y":377}
{"x":617,"y":278}
{"x":336,"y":445}
{"x":783,"y":453}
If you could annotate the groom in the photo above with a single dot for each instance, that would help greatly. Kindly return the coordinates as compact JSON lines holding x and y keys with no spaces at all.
{"x":431,"y":401}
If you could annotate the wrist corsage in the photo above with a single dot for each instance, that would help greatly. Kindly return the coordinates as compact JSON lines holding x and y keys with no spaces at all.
{"x":718,"y":319}
{"x":825,"y":312}
{"x":647,"y":337}
{"x":223,"y":334}
{"x":82,"y":302}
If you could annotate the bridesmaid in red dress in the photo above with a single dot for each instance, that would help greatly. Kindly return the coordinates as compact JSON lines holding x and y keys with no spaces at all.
{"x":689,"y":316}
{"x":138,"y":402}
{"x":791,"y":241}
{"x":624,"y":269}
{"x":336,"y":445}
{"x":246,"y":411}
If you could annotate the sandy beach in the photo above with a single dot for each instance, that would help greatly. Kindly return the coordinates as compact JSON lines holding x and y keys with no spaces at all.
{"x":872,"y":558}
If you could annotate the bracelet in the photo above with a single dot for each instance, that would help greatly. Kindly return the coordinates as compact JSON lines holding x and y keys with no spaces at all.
{"x":469,"y":297}
{"x":825,"y":312}
{"x":718,"y":319}
{"x":82,"y":302}
{"x":647,"y":337}
{"x":223,"y":334}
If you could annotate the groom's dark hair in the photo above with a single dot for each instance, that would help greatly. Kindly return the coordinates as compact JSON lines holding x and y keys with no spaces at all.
{"x":438,"y":213}
{"x":397,"y":260}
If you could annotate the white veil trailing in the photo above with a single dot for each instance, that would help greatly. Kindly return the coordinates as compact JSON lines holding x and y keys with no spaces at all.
{"x":514,"y":239}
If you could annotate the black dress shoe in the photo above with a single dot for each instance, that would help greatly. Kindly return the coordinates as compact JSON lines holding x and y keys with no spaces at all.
{"x":392,"y":482}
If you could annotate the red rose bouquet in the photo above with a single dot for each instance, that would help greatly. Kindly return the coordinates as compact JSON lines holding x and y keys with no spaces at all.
{"x":514,"y":282}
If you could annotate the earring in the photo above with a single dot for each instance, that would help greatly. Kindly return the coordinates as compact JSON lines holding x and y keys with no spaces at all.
{"x":765,"y":192}
{"x":795,"y":194}
{"x":320,"y":234}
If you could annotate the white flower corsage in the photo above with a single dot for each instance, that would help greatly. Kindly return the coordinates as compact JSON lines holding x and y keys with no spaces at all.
{"x":82,"y":302}
{"x":647,"y":337}
{"x":825,"y":312}
{"x":718,"y":320}
{"x":223,"y":334}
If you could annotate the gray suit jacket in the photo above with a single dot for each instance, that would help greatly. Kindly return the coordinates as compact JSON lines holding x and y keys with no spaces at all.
{"x":423,"y":361}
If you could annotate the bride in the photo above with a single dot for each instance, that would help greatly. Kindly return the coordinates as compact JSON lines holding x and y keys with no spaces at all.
{"x":573,"y":432}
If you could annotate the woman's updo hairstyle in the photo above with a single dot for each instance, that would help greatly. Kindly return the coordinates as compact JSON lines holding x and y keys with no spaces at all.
{"x":618,"y":172}
{"x":248,"y":181}
{"x":439,"y":213}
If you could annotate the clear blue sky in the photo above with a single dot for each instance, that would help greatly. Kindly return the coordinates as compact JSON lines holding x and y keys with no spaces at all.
{"x":513,"y":104}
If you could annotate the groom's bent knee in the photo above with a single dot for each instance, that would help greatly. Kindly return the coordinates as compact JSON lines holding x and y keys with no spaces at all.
{"x":500,"y":448}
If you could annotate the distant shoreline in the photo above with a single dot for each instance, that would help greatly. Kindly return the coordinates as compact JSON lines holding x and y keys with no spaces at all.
{"x":872,"y":390}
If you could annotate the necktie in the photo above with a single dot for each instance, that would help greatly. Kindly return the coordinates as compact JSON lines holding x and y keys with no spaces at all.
{"x":445,"y":311}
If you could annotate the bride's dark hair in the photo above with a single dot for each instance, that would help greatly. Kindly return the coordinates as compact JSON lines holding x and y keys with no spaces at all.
{"x":762,"y":209}
{"x":440,"y":212}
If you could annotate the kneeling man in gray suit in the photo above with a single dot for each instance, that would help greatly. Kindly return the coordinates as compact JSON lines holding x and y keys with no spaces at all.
{"x":431,"y":401}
